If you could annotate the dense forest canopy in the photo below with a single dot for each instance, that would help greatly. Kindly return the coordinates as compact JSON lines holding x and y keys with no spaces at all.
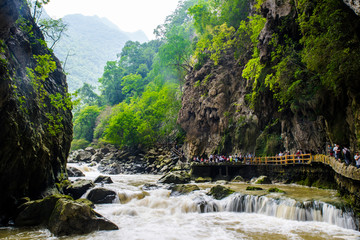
{"x":141,"y":91}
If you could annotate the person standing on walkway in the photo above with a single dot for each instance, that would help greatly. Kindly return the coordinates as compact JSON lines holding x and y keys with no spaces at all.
{"x":357,"y":160}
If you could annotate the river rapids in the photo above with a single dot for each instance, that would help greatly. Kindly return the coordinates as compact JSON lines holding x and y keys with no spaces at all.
{"x":152,"y":213}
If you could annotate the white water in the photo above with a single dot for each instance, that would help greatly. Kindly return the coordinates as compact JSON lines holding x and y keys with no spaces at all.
{"x":155,"y":214}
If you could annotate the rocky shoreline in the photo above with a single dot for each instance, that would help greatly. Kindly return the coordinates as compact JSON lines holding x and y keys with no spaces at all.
{"x":111,"y":160}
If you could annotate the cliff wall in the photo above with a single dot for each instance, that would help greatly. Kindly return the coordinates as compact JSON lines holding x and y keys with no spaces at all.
{"x":218,"y":117}
{"x":35,"y":114}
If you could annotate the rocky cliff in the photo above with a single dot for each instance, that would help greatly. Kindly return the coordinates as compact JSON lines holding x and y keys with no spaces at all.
{"x":218,"y":118}
{"x":35,"y":115}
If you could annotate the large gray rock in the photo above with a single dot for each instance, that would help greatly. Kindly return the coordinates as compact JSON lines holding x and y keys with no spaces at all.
{"x":101,"y":195}
{"x":74,"y":172}
{"x":69,"y":217}
{"x":83,"y":156}
{"x":33,"y":213}
{"x":179,"y":177}
{"x":103,"y":179}
{"x":62,"y":216}
{"x":110,"y":167}
{"x":78,"y":188}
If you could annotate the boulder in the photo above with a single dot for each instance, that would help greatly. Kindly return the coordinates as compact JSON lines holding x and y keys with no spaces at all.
{"x":202,"y":180}
{"x":78,"y":188}
{"x":109,"y":167}
{"x":103,"y":179}
{"x":74,"y":172}
{"x":238,"y":179}
{"x":90,"y":150}
{"x":86,"y":202}
{"x":219,"y":192}
{"x":183,"y":189}
{"x":149,"y":186}
{"x":104,"y":150}
{"x":262,"y":180}
{"x":101,"y":195}
{"x":96,"y":158}
{"x":34,"y":213}
{"x":70,"y":217}
{"x":178,"y":177}
{"x":83,"y":156}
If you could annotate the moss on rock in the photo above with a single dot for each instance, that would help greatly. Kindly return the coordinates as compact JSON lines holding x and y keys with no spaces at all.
{"x":178,"y":177}
{"x":203,"y":179}
{"x":70,"y":217}
{"x":220,"y":192}
{"x":274,"y":189}
{"x":251,"y":188}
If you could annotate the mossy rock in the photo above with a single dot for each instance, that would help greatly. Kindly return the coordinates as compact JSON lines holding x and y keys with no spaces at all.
{"x":70,"y":217}
{"x":274,"y":189}
{"x":238,"y":179}
{"x":202,"y":180}
{"x":250,"y":188}
{"x":34,"y":213}
{"x":184,"y":189}
{"x":263,"y":180}
{"x":179,"y":177}
{"x":78,"y":188}
{"x":220,"y":192}
{"x":86,"y":202}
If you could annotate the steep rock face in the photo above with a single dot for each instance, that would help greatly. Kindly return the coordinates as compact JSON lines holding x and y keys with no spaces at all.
{"x":35,"y":119}
{"x":214,"y":98}
{"x":216,"y":115}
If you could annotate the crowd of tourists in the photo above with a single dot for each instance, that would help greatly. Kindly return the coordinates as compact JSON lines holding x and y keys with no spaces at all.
{"x":223,"y":158}
{"x":343,"y":154}
{"x":340,"y":154}
{"x":238,"y":158}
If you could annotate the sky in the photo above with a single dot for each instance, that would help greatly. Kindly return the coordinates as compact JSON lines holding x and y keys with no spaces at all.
{"x":128,"y":15}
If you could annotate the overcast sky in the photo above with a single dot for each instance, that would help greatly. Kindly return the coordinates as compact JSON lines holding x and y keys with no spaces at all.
{"x":129,"y":15}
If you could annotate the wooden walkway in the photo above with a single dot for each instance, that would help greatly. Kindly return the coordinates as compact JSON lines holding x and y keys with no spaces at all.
{"x":339,"y":167}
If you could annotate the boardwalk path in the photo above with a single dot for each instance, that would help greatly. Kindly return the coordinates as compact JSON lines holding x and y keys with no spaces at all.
{"x":350,"y":171}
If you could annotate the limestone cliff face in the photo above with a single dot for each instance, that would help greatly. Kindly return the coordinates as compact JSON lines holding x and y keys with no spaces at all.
{"x":216,"y":115}
{"x":35,"y":120}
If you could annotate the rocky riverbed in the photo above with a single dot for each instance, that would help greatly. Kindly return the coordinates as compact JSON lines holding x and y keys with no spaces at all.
{"x":110,"y":160}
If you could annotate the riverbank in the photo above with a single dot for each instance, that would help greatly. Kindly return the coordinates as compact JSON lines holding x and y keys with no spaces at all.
{"x":147,"y":209}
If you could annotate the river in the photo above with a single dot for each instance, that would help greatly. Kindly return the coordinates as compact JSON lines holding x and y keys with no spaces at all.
{"x":299,"y":213}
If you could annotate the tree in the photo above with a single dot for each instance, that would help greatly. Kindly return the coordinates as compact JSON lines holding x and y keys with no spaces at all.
{"x":84,"y":123}
{"x":87,"y":95}
{"x":53,"y":30}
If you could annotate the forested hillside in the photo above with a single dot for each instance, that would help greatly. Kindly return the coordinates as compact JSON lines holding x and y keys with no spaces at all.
{"x":257,"y":76}
{"x":87,"y":44}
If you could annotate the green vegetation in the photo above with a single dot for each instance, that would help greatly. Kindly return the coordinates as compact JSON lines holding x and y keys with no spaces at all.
{"x":250,"y":188}
{"x":140,"y":92}
{"x":88,"y":43}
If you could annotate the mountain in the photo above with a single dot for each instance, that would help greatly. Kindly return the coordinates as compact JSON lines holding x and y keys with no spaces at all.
{"x":88,"y":44}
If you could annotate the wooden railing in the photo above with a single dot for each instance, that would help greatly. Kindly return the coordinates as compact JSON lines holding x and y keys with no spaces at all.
{"x":282,"y":160}
{"x":276,"y":160}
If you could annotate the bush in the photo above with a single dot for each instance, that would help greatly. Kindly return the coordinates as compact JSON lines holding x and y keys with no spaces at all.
{"x":79,"y":144}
